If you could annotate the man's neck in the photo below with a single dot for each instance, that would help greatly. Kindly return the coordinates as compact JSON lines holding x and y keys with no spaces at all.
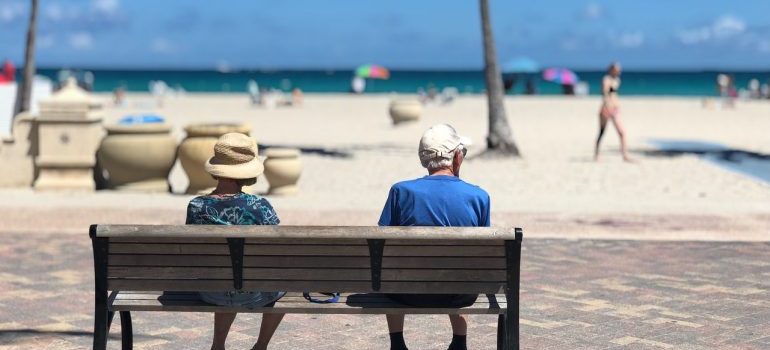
{"x":226,"y":188}
{"x":445,"y":171}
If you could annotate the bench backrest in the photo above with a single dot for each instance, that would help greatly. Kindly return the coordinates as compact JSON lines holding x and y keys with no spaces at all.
{"x":301,"y":258}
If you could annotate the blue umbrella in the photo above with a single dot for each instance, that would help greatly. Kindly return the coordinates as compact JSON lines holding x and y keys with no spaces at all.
{"x":140,"y":119}
{"x":521,"y":65}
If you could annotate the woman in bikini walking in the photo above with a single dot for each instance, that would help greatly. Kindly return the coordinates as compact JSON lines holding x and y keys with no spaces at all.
{"x":609,"y":110}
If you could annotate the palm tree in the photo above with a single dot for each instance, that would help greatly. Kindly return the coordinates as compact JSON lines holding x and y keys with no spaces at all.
{"x":500,"y":138}
{"x":24,"y":91}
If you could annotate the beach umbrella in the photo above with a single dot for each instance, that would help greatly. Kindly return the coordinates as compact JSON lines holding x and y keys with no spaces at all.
{"x":521,"y":65}
{"x":372,"y":71}
{"x":561,"y":76}
{"x":141,"y":119}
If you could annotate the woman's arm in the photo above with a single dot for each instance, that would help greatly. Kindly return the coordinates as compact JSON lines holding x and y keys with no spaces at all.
{"x":606,"y":86}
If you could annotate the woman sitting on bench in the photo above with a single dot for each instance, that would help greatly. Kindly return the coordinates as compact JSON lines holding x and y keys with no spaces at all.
{"x":235,"y":165}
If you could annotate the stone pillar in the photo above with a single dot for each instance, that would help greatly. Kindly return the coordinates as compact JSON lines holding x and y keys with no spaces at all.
{"x":69,"y":130}
{"x":17,"y":153}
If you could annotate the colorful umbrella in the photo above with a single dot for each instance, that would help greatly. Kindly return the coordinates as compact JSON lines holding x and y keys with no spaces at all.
{"x":521,"y":65}
{"x":372,"y":71}
{"x":561,"y":76}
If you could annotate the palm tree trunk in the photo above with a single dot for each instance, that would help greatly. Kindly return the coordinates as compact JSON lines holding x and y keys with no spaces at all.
{"x":24,"y":89}
{"x":500,"y":138}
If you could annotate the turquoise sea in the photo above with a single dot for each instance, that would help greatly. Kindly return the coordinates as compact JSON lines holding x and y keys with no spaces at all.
{"x":401,"y":81}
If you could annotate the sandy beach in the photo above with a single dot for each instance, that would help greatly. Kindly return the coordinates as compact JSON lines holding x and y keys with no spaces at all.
{"x":352,"y":154}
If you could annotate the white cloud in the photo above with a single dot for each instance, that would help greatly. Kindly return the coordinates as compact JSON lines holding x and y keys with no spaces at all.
{"x":10,"y":11}
{"x":593,"y":11}
{"x":727,"y":26}
{"x":81,"y":41}
{"x":161,"y":45}
{"x":630,"y":40}
{"x":106,"y":6}
{"x":724,"y":27}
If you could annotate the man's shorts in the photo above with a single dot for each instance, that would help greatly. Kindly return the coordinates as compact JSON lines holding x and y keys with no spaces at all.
{"x":435,"y":300}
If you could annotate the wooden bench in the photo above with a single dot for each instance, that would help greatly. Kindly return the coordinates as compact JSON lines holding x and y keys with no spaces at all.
{"x":154,"y":268}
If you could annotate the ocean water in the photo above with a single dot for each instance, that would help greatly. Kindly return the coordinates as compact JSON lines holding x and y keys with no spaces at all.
{"x":338,"y":81}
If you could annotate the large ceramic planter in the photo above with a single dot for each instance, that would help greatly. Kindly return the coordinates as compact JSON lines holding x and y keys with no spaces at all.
{"x":138,"y":157}
{"x":282,"y":169}
{"x":198,"y":147}
{"x":405,"y":111}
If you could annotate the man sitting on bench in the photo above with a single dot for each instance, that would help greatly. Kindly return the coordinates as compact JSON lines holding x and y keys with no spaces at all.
{"x":439,"y":199}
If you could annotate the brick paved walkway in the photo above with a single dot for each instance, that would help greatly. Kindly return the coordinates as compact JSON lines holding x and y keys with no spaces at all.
{"x":575,"y":295}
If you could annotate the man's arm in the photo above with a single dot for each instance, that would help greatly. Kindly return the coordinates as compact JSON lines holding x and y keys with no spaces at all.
{"x":389,"y":216}
{"x":486,"y":220}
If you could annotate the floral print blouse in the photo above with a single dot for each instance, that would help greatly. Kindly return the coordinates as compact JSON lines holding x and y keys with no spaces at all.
{"x":233,"y":209}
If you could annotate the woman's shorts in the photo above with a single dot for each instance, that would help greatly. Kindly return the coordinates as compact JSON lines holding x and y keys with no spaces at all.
{"x":246,"y":299}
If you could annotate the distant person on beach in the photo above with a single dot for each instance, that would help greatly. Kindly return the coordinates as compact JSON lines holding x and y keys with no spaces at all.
{"x":297,"y":97}
{"x":722,"y":81}
{"x":254,"y":94}
{"x":8,"y":73}
{"x":568,"y":89}
{"x":754,"y":92}
{"x":530,"y":88}
{"x":509,"y":82}
{"x":438,"y":199}
{"x":732,"y":92}
{"x":235,"y":165}
{"x":118,"y":96}
{"x":609,"y":110}
{"x":357,"y":85}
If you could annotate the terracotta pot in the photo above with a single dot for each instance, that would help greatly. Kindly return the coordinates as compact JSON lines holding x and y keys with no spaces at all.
{"x":282,"y":170}
{"x":405,"y":110}
{"x":198,"y":147}
{"x":138,"y":157}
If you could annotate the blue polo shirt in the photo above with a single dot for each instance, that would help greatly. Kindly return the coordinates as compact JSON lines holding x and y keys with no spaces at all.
{"x":439,"y":200}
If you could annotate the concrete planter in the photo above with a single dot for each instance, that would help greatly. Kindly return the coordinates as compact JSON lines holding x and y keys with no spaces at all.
{"x":138,"y":157}
{"x":198,"y":147}
{"x":282,"y":170}
{"x":405,"y":111}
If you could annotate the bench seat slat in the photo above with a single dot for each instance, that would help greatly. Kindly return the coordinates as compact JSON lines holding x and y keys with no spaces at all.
{"x":307,"y":274}
{"x":297,"y":286}
{"x":295,"y":303}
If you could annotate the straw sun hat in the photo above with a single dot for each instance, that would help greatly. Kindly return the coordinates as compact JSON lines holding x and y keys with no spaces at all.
{"x":235,"y":157}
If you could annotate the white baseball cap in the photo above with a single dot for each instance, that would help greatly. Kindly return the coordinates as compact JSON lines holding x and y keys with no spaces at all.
{"x":440,"y":141}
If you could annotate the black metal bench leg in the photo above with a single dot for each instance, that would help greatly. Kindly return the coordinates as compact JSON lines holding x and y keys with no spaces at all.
{"x":101,"y":325}
{"x":501,"y":327}
{"x":102,"y":316}
{"x":512,"y":328}
{"x":126,"y":330}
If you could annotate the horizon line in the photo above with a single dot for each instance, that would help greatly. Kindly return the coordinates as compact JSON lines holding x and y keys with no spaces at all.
{"x":398,"y":69}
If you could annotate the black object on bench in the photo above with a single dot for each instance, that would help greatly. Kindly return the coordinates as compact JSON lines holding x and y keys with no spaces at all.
{"x":148,"y":268}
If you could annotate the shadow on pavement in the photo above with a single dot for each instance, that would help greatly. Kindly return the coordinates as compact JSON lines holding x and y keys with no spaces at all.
{"x":9,"y":336}
{"x":750,"y":163}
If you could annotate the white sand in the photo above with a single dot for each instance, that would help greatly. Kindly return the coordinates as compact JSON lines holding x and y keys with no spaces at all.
{"x":556,"y":178}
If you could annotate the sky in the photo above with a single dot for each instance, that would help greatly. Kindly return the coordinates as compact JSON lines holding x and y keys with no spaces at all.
{"x":399,"y":34}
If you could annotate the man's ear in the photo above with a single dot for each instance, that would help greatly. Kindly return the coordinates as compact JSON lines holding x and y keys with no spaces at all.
{"x":457,"y":161}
